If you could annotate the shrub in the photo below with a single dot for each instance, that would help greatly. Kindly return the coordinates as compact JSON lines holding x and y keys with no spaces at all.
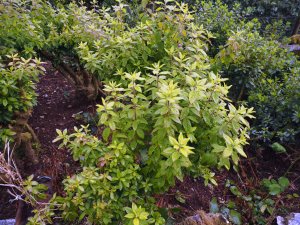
{"x":165,"y":115}
{"x":278,"y":109}
{"x":222,"y":20}
{"x":37,"y":28}
{"x":219,"y":20}
{"x":267,"y":76}
{"x":268,"y":11}
{"x":18,"y":79}
{"x":111,"y":179}
{"x":19,"y":32}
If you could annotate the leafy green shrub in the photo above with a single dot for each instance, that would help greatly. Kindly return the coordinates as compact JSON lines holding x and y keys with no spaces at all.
{"x":17,"y":79}
{"x":19,"y":32}
{"x":247,"y":55}
{"x":219,"y":20}
{"x":278,"y":108}
{"x":267,"y":76}
{"x":275,"y":18}
{"x":261,"y":71}
{"x":165,"y":115}
{"x":223,"y":20}
{"x":268,"y":11}
{"x":36,"y":28}
{"x":111,"y":179}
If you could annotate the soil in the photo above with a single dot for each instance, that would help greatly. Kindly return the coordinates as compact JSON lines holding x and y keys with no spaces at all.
{"x":57,"y":108}
{"x":57,"y":105}
{"x":191,"y":195}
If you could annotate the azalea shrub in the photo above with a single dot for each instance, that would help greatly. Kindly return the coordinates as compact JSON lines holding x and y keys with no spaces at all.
{"x":165,"y":114}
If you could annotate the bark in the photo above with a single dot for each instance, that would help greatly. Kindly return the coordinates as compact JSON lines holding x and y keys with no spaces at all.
{"x":25,"y":137}
{"x":296,"y":27}
{"x":23,"y":213}
{"x":63,"y":68}
{"x":87,"y":86}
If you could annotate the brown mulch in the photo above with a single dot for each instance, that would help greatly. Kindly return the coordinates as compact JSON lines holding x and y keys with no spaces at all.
{"x":56,"y":109}
{"x":191,"y":195}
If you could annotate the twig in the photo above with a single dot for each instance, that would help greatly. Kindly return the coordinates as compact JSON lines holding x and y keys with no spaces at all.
{"x":9,"y":185}
{"x":291,"y":166}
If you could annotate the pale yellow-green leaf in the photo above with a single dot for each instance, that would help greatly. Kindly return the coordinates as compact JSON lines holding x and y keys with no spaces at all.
{"x":173,"y":141}
{"x":175,"y":156}
{"x":227,"y":152}
{"x":136,"y":221}
{"x":240,"y":150}
{"x":129,"y":215}
{"x":134,"y":207}
{"x":228,"y":139}
{"x":186,"y":151}
{"x":143,"y":215}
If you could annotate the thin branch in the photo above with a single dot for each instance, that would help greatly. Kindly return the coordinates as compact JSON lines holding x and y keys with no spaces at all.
{"x":9,"y":185}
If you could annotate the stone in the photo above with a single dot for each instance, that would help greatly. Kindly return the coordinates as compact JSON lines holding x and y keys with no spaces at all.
{"x":203,"y":218}
{"x":7,"y":222}
{"x":291,"y":219}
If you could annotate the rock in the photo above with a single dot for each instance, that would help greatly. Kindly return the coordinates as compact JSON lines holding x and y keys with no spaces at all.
{"x":203,"y":218}
{"x":293,"y":48}
{"x":291,"y":219}
{"x":7,"y":222}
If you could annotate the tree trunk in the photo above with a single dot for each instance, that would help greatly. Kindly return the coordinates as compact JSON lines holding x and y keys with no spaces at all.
{"x":25,"y":137}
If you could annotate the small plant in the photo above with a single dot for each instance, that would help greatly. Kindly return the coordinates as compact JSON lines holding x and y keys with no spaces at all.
{"x":229,"y":210}
{"x":259,"y":205}
{"x":276,"y":187}
{"x":136,"y":215}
